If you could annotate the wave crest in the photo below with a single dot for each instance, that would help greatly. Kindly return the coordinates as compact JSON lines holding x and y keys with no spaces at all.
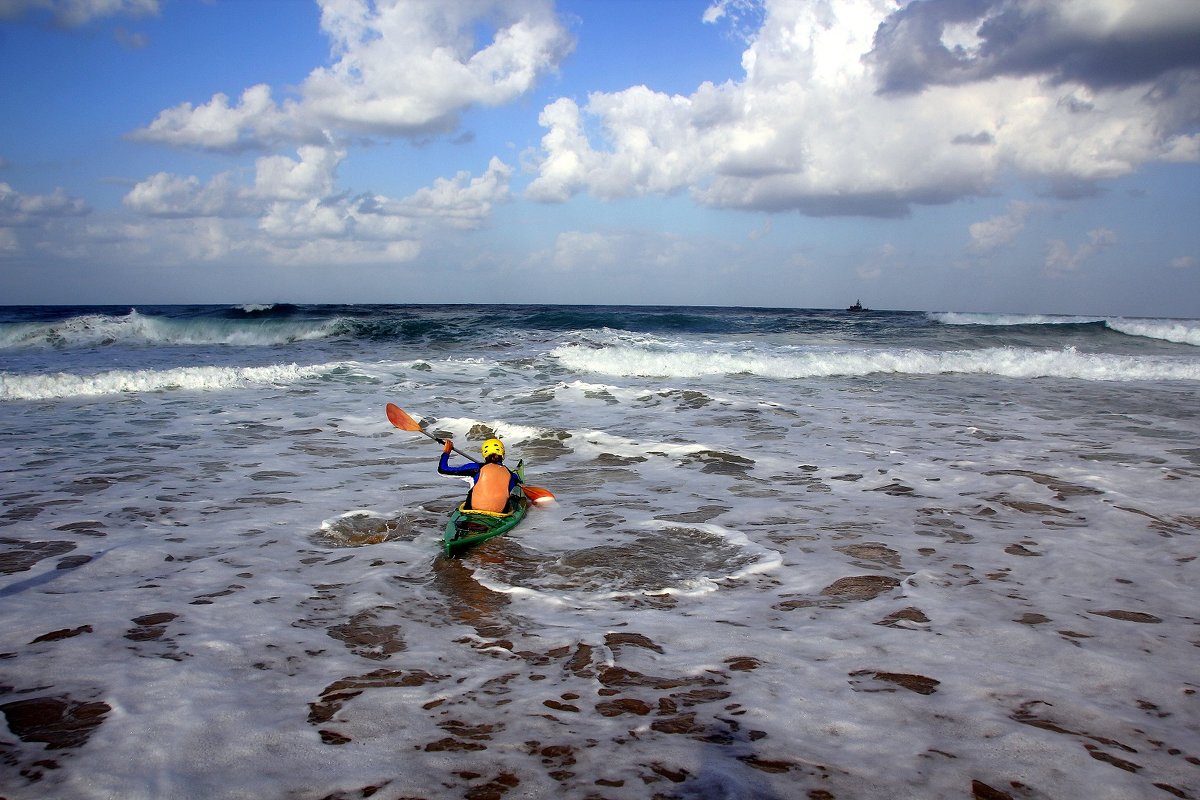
{"x":1178,"y":331}
{"x":101,"y":330}
{"x":62,"y":385}
{"x":1169,"y":330}
{"x":1009,"y":362}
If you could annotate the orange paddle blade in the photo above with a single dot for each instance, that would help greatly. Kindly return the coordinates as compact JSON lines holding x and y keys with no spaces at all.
{"x":537,"y":494}
{"x":402,"y":420}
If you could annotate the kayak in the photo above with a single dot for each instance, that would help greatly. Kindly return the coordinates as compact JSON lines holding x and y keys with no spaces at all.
{"x":469,"y":527}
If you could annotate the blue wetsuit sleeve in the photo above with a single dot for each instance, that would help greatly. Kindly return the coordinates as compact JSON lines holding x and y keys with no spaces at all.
{"x":469,"y":468}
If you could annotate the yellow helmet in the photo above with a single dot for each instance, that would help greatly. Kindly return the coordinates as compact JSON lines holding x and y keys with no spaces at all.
{"x":492,"y":447}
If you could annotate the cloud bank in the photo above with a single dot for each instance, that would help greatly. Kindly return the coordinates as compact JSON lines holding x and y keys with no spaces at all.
{"x":842,"y":108}
{"x":402,"y":68}
{"x":867,"y":107}
{"x":290,"y":215}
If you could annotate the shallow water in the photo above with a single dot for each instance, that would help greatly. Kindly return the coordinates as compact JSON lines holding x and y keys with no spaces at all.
{"x":795,"y":554}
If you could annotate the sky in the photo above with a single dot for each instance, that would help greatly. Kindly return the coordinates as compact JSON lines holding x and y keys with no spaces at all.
{"x":1017,"y":156}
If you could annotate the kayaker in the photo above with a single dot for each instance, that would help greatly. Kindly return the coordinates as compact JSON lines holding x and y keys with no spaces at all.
{"x":491,"y":481}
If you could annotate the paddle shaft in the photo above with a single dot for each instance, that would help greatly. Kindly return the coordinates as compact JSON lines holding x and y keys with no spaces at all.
{"x":443,"y":442}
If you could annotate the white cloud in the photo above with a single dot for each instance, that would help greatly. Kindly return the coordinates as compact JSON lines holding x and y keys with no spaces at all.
{"x":813,"y":127}
{"x":291,"y":213}
{"x":326,"y":252}
{"x":409,"y":66}
{"x":276,"y":178}
{"x":619,"y":254}
{"x":253,"y":122}
{"x":312,"y":219}
{"x":460,"y":202}
{"x":166,"y":195}
{"x":563,"y":171}
{"x":283,"y":178}
{"x":1184,"y":262}
{"x":18,"y":210}
{"x":73,"y":13}
{"x":994,"y":233}
{"x":403,"y":67}
{"x":742,"y":16}
{"x":1061,"y":259}
{"x":576,"y":250}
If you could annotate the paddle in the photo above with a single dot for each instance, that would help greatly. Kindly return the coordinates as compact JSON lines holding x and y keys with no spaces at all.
{"x":537,"y":494}
{"x":404,"y":422}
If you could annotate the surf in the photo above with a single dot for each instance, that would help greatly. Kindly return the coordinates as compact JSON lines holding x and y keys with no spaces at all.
{"x":634,"y":360}
{"x":92,"y":330}
{"x":1167,"y":330}
{"x":205,"y":378}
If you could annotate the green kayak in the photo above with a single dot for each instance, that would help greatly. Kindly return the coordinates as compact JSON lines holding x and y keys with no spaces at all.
{"x":469,"y":527}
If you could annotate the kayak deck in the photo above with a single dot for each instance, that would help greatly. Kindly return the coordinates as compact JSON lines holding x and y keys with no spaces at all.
{"x":467,"y":527}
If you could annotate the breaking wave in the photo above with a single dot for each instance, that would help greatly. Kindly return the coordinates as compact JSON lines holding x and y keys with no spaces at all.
{"x":247,"y":327}
{"x":206,"y":378}
{"x":1169,"y":330}
{"x":1011,"y":362}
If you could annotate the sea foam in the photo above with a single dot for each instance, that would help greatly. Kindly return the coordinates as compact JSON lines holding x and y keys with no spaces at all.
{"x":62,"y":385}
{"x":1181,"y":331}
{"x":1010,"y":362}
{"x":102,"y":330}
{"x":1170,"y":330}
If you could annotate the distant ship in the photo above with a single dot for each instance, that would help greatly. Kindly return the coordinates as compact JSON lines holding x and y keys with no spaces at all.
{"x":858,"y":306}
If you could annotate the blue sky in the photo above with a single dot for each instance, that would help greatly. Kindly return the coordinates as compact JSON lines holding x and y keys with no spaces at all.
{"x":972,"y":155}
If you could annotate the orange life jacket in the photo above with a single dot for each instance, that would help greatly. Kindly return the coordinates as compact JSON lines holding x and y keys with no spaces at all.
{"x":491,"y":490}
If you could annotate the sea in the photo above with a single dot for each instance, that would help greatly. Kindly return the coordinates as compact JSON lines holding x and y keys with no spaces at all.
{"x":794,"y":553}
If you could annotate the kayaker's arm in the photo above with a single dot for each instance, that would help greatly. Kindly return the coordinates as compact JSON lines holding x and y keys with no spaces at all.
{"x":470,"y":468}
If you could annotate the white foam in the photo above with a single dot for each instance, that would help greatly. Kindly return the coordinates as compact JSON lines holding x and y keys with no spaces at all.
{"x":509,"y":433}
{"x":1170,"y":330}
{"x":972,"y":318}
{"x":1009,"y":362}
{"x":1181,"y":331}
{"x":63,"y":385}
{"x":94,"y":330}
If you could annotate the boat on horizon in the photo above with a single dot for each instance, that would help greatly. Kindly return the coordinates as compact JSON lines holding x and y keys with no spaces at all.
{"x":858,"y":306}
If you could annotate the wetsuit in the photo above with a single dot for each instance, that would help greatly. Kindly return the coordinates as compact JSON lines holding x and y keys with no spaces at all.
{"x":489,"y":486}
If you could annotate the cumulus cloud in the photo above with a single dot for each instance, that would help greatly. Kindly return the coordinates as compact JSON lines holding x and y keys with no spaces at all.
{"x":742,"y":16}
{"x":1096,"y":43}
{"x":829,"y":120}
{"x":292,"y":214}
{"x":313,"y":174}
{"x":277,"y":178}
{"x":254,"y":121}
{"x":73,"y":13}
{"x":402,"y":68}
{"x":1061,"y":259}
{"x":167,"y":195}
{"x":994,"y":233}
{"x":21,"y":210}
{"x":460,"y":202}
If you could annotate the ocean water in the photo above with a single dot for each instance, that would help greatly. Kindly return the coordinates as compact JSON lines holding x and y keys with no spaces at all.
{"x":795,"y":554}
